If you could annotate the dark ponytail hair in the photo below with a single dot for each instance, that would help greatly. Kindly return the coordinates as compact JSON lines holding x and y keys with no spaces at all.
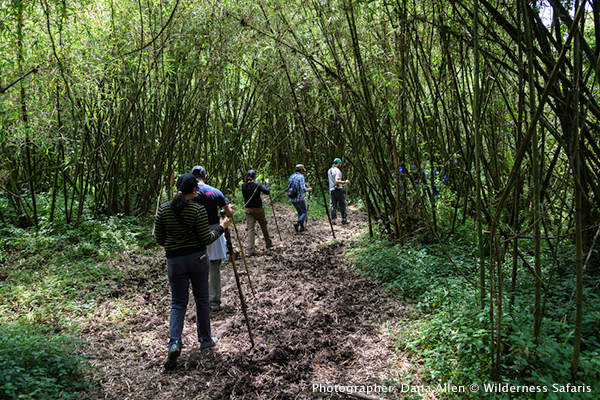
{"x":178,"y":202}
{"x":185,"y":185}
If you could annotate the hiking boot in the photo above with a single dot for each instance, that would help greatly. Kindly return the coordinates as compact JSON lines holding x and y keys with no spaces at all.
{"x":215,"y":307}
{"x":333,"y":222}
{"x":174,"y":352}
{"x":207,"y":344}
{"x":345,"y":222}
{"x":301,"y":228}
{"x":296,"y":226}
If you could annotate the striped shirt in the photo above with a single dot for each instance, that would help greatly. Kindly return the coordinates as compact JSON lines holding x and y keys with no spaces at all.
{"x":174,"y":237}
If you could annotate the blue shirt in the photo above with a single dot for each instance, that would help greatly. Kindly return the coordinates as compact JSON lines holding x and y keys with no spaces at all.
{"x":297,"y":181}
{"x":212,"y":199}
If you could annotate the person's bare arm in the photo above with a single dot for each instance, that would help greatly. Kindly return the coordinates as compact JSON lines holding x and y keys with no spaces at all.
{"x":228,"y":210}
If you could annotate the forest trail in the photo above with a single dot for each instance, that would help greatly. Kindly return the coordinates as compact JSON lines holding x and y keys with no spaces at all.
{"x":314,"y":319}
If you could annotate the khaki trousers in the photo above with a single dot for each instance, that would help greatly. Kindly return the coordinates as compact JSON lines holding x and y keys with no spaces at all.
{"x":254,"y":215}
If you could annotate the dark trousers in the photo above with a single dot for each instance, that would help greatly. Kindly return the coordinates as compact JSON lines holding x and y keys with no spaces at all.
{"x":337,"y":198}
{"x":182,"y":270}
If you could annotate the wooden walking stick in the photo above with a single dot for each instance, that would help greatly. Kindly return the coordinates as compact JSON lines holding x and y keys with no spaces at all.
{"x":307,"y":207}
{"x":157,"y":206}
{"x":274,"y":217}
{"x":239,"y":285}
{"x":243,"y":255}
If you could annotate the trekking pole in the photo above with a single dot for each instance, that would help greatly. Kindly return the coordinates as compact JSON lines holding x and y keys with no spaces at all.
{"x":307,"y":207}
{"x":274,"y":217}
{"x":157,"y":202}
{"x":156,"y":212}
{"x":243,"y":255}
{"x":239,"y":285}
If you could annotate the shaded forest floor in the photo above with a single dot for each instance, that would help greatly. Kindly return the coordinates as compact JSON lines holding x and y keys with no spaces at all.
{"x":314,"y":319}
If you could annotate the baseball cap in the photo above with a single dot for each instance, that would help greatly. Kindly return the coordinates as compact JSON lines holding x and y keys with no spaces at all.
{"x":337,"y":160}
{"x":300,"y":167}
{"x":199,"y":171}
{"x":186,"y":183}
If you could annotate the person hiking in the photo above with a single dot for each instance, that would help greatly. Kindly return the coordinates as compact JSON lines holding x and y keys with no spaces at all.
{"x":298,"y":186}
{"x":181,"y":227}
{"x":213,"y":200}
{"x":336,"y":192}
{"x":253,"y":207}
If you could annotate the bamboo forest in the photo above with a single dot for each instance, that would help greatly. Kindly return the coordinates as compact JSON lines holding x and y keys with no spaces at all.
{"x":425,"y":176}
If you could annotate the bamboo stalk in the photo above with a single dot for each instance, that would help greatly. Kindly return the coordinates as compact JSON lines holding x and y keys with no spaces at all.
{"x":274,"y":216}
{"x":243,"y":255}
{"x":239,"y":285}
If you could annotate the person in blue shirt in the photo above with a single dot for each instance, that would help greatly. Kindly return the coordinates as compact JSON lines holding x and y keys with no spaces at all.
{"x":297,"y":182}
{"x":213,"y":200}
{"x":255,"y":212}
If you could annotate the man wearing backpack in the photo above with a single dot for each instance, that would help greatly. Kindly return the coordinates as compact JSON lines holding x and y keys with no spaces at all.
{"x":336,"y":191}
{"x":213,"y":200}
{"x":296,"y":189}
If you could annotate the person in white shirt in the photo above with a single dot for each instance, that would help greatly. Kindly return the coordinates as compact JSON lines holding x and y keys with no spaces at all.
{"x":336,"y":192}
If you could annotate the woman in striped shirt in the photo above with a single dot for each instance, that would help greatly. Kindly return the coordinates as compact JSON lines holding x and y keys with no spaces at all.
{"x":181,"y":227}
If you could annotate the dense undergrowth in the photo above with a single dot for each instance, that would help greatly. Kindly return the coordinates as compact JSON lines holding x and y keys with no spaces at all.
{"x":38,"y":364}
{"x":452,"y":338}
{"x":48,"y":280}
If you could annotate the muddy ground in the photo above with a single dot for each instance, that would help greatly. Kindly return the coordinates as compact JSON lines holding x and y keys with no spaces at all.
{"x":314,"y":320}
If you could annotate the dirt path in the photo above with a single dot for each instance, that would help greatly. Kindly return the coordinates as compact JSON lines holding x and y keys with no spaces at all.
{"x":313,"y":318}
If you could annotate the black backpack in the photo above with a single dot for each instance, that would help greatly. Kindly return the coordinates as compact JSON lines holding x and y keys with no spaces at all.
{"x":291,"y":191}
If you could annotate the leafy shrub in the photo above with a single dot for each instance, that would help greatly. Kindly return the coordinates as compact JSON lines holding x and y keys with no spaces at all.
{"x":452,"y":338}
{"x":37,"y":365}
{"x":52,"y":275}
